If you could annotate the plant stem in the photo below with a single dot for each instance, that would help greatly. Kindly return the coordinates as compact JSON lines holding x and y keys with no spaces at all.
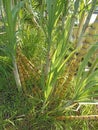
{"x":84,"y":117}
{"x":16,"y":74}
{"x":48,"y":55}
{"x":86,"y":23}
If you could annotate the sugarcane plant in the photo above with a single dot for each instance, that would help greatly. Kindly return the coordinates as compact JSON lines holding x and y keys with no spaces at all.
{"x":9,"y":15}
{"x":58,"y":82}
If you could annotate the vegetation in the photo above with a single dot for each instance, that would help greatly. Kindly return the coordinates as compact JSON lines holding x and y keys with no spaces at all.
{"x":48,"y":65}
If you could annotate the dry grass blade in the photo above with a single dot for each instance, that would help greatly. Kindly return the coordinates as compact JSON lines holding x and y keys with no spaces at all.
{"x":27,"y":71}
{"x":84,"y":117}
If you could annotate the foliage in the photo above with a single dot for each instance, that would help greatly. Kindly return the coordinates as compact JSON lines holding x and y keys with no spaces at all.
{"x":49,"y":54}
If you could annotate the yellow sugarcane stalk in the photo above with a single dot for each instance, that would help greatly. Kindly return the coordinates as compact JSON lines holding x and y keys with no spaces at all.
{"x":82,"y":117}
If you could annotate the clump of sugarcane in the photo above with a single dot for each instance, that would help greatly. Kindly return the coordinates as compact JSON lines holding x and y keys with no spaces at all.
{"x":82,"y":46}
{"x":71,"y":69}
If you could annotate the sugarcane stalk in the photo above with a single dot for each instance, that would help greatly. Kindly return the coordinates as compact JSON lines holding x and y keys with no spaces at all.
{"x":16,"y":74}
{"x":86,"y":23}
{"x":82,"y":117}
